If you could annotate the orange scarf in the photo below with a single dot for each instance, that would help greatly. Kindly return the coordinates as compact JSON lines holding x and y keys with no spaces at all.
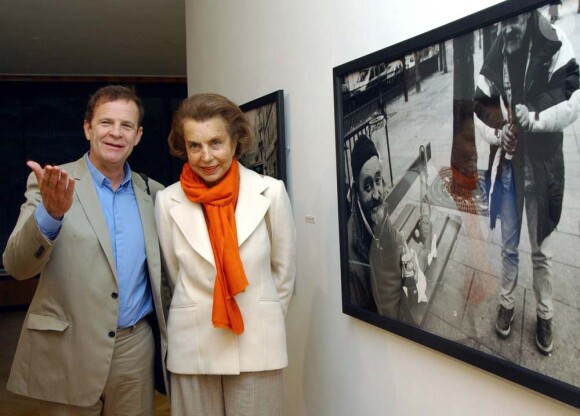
{"x":219,"y":204}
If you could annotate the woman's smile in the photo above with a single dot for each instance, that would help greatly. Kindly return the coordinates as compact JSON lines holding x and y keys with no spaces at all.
{"x":210,"y":149}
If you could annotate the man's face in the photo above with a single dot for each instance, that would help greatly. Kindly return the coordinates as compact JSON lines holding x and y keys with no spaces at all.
{"x":113,"y":133}
{"x":513,"y":31}
{"x":371,"y":191}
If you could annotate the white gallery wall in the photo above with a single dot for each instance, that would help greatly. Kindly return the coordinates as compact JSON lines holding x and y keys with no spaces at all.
{"x":338,"y":365}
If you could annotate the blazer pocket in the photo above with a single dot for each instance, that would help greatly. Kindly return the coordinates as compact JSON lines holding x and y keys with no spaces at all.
{"x":46,"y":323}
{"x":273,"y":334}
{"x":268,"y":288}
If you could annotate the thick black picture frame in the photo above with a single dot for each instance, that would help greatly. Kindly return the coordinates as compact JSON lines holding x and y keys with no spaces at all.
{"x":534,"y":380}
{"x":265,"y":157}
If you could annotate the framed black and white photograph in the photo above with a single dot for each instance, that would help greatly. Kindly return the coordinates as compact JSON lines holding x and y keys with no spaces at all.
{"x":266,"y":115}
{"x":458,"y":195}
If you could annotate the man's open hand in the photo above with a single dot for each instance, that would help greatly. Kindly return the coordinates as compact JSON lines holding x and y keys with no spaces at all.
{"x":56,"y":188}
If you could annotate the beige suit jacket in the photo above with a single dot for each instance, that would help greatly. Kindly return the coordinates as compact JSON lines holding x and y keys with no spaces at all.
{"x":195,"y":346}
{"x":66,"y":344}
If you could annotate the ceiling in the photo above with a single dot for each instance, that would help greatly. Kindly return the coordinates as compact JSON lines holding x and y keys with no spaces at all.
{"x":142,"y":38}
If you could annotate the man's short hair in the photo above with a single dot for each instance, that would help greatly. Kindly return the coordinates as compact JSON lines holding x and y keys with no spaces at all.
{"x":363,"y":150}
{"x":113,"y":93}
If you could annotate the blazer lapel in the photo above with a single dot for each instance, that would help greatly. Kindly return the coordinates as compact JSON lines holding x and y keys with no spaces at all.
{"x":87,"y":196}
{"x":147,"y":214}
{"x":250,"y":210}
{"x":252,"y":205}
{"x":190,"y":219}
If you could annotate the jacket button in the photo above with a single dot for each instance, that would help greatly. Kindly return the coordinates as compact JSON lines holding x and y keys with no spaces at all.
{"x":111,"y":334}
{"x":114,"y":295}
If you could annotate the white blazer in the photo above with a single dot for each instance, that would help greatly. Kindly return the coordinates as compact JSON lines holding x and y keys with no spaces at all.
{"x":195,"y":346}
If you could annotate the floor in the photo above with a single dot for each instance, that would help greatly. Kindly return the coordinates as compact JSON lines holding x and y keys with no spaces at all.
{"x":13,"y":405}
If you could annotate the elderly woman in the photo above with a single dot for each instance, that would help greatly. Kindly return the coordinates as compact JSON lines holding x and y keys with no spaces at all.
{"x":227,"y":237}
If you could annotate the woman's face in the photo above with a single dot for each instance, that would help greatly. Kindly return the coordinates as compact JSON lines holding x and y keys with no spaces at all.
{"x":210,"y":149}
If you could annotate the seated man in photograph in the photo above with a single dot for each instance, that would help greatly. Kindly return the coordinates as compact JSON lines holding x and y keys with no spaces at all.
{"x":376,"y":248}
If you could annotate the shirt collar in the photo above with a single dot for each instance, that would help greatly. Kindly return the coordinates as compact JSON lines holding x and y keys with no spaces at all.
{"x":101,"y":180}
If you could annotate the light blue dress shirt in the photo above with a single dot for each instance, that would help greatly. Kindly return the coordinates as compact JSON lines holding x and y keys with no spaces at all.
{"x":126,"y":231}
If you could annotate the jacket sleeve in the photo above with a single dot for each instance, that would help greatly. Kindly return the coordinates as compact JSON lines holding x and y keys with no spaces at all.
{"x":558,"y":107}
{"x":169,"y":262}
{"x":385,"y":262}
{"x":27,"y":250}
{"x":166,"y":291}
{"x":487,"y":103}
{"x":283,"y":247}
{"x":155,"y":187}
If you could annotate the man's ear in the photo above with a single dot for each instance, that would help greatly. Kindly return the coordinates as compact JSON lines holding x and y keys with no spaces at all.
{"x":87,"y":129}
{"x":139,"y":134}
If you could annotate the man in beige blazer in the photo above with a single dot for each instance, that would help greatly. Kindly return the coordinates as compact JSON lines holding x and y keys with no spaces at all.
{"x":88,"y":227}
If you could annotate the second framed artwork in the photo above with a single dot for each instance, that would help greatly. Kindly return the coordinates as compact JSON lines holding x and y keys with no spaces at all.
{"x":457,"y":153}
{"x":266,"y":115}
